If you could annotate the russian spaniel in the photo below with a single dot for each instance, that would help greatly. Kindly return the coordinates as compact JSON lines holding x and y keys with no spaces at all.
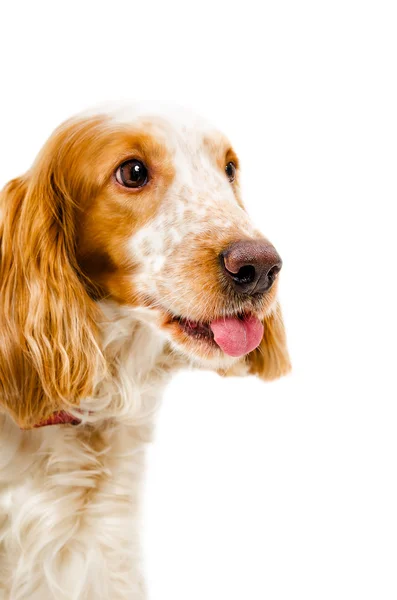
{"x":125,"y":254}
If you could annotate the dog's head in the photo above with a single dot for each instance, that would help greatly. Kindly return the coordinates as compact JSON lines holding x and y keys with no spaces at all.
{"x":145,"y":211}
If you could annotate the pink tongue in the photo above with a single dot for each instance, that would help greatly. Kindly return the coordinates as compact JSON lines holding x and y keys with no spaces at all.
{"x":237,"y":337}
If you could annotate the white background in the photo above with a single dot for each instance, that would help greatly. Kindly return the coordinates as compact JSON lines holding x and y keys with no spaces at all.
{"x":259,"y":491}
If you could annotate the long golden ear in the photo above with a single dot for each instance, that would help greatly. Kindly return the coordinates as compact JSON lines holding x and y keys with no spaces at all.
{"x":49,"y":352}
{"x":271,"y":359}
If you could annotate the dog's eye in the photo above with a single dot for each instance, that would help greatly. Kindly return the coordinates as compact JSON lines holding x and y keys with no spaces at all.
{"x":231,"y":171}
{"x":132,"y":174}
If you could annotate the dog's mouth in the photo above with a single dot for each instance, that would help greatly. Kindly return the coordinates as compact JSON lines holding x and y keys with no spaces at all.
{"x":235,"y":335}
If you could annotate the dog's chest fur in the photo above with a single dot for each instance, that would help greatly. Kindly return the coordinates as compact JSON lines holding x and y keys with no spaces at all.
{"x":69,"y":495}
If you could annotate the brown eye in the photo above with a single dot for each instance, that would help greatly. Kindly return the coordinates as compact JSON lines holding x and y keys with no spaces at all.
{"x":231,"y":171}
{"x":132,"y":174}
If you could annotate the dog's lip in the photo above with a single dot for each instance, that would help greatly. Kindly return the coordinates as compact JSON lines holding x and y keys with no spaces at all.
{"x":203,"y":324}
{"x":197,"y":330}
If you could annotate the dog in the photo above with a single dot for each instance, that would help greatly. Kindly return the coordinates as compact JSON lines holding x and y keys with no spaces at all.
{"x":125,"y":254}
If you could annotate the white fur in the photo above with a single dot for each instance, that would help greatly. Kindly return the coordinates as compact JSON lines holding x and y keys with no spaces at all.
{"x":69,"y":495}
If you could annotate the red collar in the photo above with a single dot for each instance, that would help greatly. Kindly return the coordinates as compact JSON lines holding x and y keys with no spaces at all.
{"x":59,"y":418}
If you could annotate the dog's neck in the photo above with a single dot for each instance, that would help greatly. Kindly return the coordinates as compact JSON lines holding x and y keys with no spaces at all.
{"x":130,"y":336}
{"x":139,"y":362}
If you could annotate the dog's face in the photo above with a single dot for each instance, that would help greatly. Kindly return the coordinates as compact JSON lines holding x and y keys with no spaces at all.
{"x":145,"y":211}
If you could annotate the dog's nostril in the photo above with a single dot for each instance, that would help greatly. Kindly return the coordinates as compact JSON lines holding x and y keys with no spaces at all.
{"x":244,"y":275}
{"x":273,"y":272}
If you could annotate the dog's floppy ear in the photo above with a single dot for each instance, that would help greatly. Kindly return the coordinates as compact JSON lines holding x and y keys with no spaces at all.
{"x":271,"y":359}
{"x":48,"y":344}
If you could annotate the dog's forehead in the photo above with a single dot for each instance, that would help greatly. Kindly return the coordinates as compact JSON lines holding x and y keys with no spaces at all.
{"x":177,"y":126}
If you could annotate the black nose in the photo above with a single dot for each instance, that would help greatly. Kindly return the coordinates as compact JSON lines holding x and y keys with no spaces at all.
{"x":252,"y":266}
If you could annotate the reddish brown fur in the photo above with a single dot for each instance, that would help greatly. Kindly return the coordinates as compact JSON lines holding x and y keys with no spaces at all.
{"x":271,"y":359}
{"x":48,"y":348}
